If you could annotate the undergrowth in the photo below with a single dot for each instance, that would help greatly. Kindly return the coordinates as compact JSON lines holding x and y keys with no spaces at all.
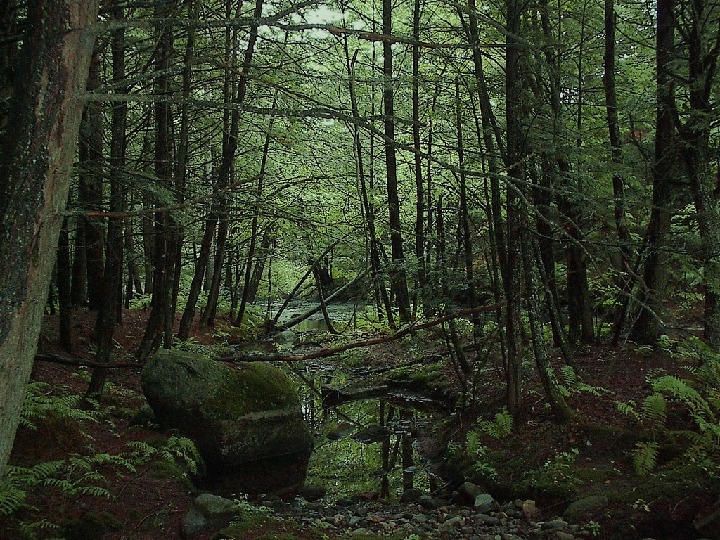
{"x":79,"y":475}
{"x":697,"y":397}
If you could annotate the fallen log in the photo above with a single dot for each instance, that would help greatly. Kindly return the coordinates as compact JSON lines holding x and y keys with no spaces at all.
{"x":331,"y":351}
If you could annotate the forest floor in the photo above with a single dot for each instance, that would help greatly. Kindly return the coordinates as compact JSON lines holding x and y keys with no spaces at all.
{"x":142,"y":496}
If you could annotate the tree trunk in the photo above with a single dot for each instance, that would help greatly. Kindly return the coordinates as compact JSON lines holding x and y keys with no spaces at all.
{"x":90,"y":192}
{"x":613,"y":124}
{"x":63,"y":285}
{"x":649,"y":322}
{"x":38,"y":154}
{"x":397,"y":272}
{"x":111,"y":298}
{"x":695,"y":135}
{"x":419,"y":181}
{"x":156,"y":331}
{"x":515,"y":162}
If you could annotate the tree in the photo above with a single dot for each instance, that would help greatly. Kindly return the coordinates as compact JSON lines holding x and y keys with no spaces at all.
{"x":397,"y":273}
{"x":655,"y":270}
{"x":38,"y":146}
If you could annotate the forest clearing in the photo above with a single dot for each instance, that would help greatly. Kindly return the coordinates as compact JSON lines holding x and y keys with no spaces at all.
{"x":406,"y":269}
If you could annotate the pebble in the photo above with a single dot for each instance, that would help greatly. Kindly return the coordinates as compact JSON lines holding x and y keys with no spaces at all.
{"x":442,"y":521}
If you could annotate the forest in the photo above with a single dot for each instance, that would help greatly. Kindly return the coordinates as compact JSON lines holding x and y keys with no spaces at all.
{"x":496,"y":222}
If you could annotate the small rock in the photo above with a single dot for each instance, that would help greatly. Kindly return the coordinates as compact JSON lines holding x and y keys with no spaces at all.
{"x":467,"y":492}
{"x":426,"y":501}
{"x":553,"y":525}
{"x":484,"y":503}
{"x":584,"y":509}
{"x":562,"y":535}
{"x":208,"y":512}
{"x":488,"y":520}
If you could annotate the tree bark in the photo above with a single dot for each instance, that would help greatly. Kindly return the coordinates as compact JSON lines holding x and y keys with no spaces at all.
{"x":649,"y":322}
{"x":397,"y":273}
{"x":110,"y":301}
{"x":38,"y":152}
{"x":704,"y":47}
{"x":515,"y":163}
{"x":63,"y":285}
{"x":90,"y":192}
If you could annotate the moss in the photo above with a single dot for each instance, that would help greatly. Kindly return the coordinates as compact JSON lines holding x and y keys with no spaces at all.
{"x":264,"y":387}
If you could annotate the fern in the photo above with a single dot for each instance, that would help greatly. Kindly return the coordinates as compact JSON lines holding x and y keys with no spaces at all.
{"x":501,"y":426}
{"x":184,"y":451}
{"x":682,"y":391}
{"x":40,"y":404}
{"x":654,"y":408}
{"x":574,"y":385}
{"x":645,"y":457}
{"x":628,"y":409}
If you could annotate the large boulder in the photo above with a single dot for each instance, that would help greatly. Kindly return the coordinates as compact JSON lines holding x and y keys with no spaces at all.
{"x":245,"y":419}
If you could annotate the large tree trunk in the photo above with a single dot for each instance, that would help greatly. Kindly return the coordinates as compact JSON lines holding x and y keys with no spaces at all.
{"x":90,"y":192}
{"x":38,"y":154}
{"x":515,"y":162}
{"x":695,"y":135}
{"x":110,"y":301}
{"x":648,"y":326}
{"x":397,"y":273}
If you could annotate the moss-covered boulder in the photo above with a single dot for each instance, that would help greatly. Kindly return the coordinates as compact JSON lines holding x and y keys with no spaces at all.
{"x":243,"y":417}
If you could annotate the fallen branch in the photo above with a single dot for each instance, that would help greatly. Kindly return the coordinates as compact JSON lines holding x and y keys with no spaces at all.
{"x":81,"y":362}
{"x":331,"y":351}
{"x":300,"y":318}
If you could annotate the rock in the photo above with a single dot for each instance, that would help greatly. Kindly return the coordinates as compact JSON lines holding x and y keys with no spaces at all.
{"x":466,"y":493}
{"x":426,"y":501}
{"x":410,"y":495}
{"x":529,"y":510}
{"x":585,"y":509}
{"x":247,"y":414}
{"x":554,"y":524}
{"x":208,"y":513}
{"x":562,"y":535}
{"x":484,"y":503}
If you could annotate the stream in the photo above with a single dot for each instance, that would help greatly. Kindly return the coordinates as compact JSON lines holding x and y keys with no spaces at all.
{"x":368,"y":434}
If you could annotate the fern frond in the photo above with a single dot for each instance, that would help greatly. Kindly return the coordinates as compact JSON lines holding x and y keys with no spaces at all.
{"x":682,"y":391}
{"x":645,"y":457}
{"x":654,"y":408}
{"x":628,"y":409}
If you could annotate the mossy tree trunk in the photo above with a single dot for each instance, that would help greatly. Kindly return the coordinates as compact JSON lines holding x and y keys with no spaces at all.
{"x":38,"y":153}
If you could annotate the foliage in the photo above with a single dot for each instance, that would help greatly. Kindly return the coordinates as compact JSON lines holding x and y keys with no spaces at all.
{"x":78,"y":474}
{"x":500,"y":427}
{"x":41,"y":402}
{"x":555,"y":471}
{"x":697,"y":397}
{"x":574,"y":385}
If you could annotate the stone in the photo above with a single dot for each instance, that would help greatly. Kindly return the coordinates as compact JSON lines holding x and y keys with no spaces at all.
{"x":585,"y":509}
{"x":562,"y":535}
{"x":467,"y":491}
{"x":242,"y":415}
{"x":426,"y":501}
{"x":554,"y":524}
{"x":529,"y":510}
{"x":484,"y":503}
{"x":208,"y":513}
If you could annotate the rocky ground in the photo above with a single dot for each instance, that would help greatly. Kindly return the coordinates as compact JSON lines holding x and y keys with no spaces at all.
{"x":426,"y":518}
